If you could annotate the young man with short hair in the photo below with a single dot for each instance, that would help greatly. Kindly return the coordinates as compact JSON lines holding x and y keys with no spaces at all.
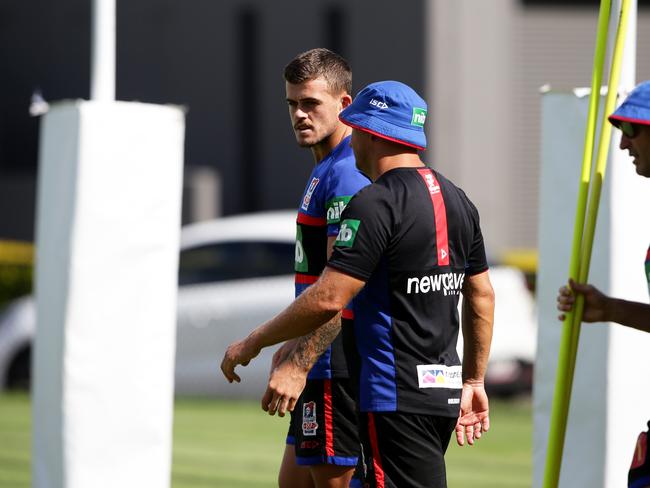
{"x":322,"y":444}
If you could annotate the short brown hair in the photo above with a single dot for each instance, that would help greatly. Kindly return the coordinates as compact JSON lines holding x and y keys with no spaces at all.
{"x":318,"y":62}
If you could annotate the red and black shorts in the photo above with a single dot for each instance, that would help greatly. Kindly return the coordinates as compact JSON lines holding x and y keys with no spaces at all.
{"x":323,"y":425}
{"x":402,"y":449}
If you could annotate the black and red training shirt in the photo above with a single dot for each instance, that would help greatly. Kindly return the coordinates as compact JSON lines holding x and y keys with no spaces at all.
{"x":412,"y":236}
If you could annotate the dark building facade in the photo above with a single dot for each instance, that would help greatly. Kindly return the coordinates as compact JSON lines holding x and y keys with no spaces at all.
{"x":221,"y":60}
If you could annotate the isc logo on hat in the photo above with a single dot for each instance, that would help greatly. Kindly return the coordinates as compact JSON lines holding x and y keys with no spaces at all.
{"x":378,"y":104}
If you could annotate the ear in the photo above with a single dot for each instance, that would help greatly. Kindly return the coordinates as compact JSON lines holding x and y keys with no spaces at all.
{"x":346,"y":100}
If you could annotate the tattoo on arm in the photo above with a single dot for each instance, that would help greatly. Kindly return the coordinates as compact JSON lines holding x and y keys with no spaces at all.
{"x":309,"y":347}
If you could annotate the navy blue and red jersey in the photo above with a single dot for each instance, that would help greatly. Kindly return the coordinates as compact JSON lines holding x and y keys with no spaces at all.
{"x":331,"y":185}
{"x":412,"y":236}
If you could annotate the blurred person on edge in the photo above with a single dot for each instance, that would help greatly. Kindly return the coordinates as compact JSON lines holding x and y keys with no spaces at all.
{"x":632,"y":118}
{"x":409,"y":244}
{"x":322,"y":447}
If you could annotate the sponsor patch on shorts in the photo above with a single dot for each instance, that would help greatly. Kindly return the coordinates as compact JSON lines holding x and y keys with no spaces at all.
{"x":439,"y":376}
{"x":453,"y":401}
{"x":309,"y":445}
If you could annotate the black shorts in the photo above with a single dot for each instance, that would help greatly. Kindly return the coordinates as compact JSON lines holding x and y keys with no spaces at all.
{"x":323,"y":425}
{"x":403,"y":449}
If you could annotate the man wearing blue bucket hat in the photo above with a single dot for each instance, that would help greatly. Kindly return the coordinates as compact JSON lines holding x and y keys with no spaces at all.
{"x":409,"y":244}
{"x":633,"y":120}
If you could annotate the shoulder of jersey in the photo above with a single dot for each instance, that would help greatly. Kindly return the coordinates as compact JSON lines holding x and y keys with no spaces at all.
{"x":450,"y":185}
{"x":371,"y":191}
{"x":446,"y":181}
{"x":344,"y":162}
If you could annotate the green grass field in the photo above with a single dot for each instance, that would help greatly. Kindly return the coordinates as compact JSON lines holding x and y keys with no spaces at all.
{"x":221,"y":444}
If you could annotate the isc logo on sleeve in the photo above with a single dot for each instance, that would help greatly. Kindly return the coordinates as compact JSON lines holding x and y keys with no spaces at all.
{"x":347,"y":233}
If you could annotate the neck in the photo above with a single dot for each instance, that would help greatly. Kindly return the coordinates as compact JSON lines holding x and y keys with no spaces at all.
{"x":323,"y":148}
{"x":391,"y":161}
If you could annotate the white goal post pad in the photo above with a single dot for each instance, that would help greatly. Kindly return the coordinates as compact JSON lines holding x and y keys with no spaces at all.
{"x":108,"y":231}
{"x":611,"y":395}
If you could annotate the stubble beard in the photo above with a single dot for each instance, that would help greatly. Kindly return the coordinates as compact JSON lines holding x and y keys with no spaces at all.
{"x":307,"y":144}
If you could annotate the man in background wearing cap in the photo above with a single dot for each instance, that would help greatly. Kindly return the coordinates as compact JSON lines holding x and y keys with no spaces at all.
{"x":408,"y":245}
{"x":633,"y":119}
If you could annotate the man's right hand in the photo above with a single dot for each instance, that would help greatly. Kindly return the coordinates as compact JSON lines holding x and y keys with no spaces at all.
{"x":286,"y":383}
{"x":240,"y":352}
{"x":596,"y":302}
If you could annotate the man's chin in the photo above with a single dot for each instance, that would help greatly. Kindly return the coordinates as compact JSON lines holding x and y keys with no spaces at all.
{"x":303,"y":142}
{"x":642,"y":170}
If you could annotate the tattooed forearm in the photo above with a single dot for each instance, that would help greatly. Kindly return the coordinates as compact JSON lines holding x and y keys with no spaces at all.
{"x":309,"y":347}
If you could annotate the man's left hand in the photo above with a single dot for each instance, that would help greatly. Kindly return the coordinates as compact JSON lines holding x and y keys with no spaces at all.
{"x":240,"y":352}
{"x":474,"y":418}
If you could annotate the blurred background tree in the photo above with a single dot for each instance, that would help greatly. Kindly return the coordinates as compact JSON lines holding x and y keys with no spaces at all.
{"x":16,"y":270}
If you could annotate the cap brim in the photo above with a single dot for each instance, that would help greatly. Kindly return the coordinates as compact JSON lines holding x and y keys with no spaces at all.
{"x":616,"y":120}
{"x":375,"y":131}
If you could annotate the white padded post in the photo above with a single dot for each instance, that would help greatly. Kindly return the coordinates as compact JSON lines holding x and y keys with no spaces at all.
{"x":109,"y":199}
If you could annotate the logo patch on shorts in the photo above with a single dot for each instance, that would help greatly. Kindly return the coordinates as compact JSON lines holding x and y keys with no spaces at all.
{"x":347,"y":233}
{"x":440,"y":376}
{"x":309,"y":424}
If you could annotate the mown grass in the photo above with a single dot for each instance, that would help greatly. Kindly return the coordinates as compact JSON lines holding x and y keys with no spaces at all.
{"x":236,"y":445}
{"x":502,"y":458}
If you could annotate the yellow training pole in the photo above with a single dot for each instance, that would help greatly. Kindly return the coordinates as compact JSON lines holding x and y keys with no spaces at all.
{"x":599,"y":176}
{"x":560,"y":405}
{"x":572,"y":322}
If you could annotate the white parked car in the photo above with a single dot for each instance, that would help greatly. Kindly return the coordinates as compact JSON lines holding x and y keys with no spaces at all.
{"x":237,"y":272}
{"x":234,"y":274}
{"x":514,"y":339}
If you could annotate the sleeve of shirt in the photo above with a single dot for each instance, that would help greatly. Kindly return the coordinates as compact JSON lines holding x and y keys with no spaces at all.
{"x":476,"y":262}
{"x":365,"y":234}
{"x":344,"y":182}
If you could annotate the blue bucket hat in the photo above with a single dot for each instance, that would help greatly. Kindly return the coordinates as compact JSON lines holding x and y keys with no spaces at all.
{"x":390,"y":110}
{"x":635,"y":108}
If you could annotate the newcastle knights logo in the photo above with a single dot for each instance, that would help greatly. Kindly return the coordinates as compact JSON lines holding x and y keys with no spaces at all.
{"x":310,"y":191}
{"x":309,"y":424}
